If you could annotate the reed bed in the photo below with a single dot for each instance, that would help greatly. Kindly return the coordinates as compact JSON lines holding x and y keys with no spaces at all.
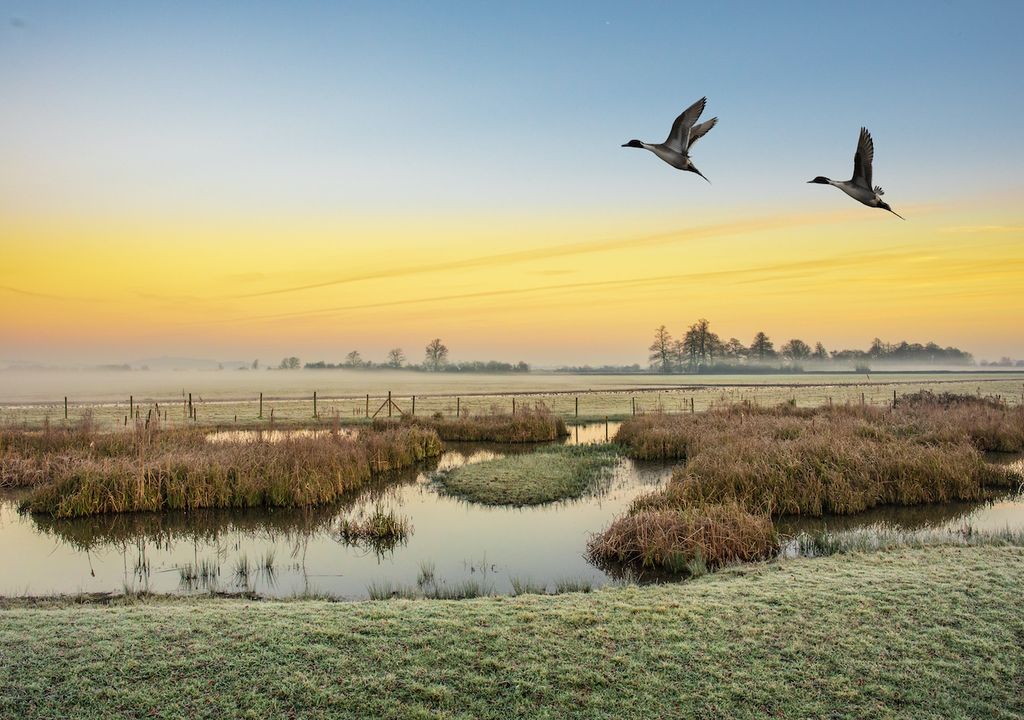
{"x":713,"y":535}
{"x":985,"y":423}
{"x":528,"y":425}
{"x":827,"y":471}
{"x":381,"y":530}
{"x":761,"y":463}
{"x":33,"y":457}
{"x":831,"y":462}
{"x":293,"y":472}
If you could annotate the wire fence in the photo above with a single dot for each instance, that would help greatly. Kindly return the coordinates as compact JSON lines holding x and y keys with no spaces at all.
{"x":581,"y":405}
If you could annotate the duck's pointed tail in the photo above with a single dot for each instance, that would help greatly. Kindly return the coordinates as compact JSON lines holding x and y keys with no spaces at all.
{"x":693,"y":168}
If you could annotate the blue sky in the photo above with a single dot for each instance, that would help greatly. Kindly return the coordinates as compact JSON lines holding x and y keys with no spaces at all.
{"x":202,"y":175}
{"x":512,"y":107}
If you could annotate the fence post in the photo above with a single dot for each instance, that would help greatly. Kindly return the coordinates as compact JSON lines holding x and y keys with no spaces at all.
{"x":458,"y":407}
{"x":513,"y":406}
{"x":131,"y":406}
{"x":65,"y":407}
{"x":314,"y":403}
{"x":367,"y":404}
{"x":261,"y":406}
{"x":414,"y":406}
{"x":691,"y":406}
{"x":578,"y":405}
{"x":894,"y":397}
{"x":634,"y":405}
{"x":606,"y":428}
{"x":389,"y":403}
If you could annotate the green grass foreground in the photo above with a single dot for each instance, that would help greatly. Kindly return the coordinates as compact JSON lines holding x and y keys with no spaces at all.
{"x":933,"y":632}
{"x":539,"y":477}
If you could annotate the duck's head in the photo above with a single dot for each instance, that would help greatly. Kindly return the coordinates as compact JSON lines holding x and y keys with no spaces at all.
{"x":885,"y":206}
{"x":820,"y":180}
{"x":634,"y":143}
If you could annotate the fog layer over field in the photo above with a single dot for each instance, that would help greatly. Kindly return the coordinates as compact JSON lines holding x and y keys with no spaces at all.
{"x":51,"y":386}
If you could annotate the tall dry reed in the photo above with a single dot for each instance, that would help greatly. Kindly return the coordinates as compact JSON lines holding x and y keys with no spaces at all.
{"x":528,"y":425}
{"x":292,"y":472}
{"x":771,"y":462}
{"x":713,"y":535}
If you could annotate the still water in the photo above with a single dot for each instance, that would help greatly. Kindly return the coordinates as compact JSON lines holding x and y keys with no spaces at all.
{"x":167,"y":552}
{"x":583,"y":434}
{"x":1004,"y":511}
{"x":287,"y":551}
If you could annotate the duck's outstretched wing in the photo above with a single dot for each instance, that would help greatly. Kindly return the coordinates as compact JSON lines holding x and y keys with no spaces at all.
{"x":862,"y":160}
{"x":678,"y":136}
{"x":699,"y":131}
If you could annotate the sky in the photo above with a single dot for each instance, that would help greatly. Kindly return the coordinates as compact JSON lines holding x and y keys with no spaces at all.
{"x":243,"y":180}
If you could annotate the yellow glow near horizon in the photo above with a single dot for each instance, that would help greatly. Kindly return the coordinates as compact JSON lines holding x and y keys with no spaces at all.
{"x":541,"y":288}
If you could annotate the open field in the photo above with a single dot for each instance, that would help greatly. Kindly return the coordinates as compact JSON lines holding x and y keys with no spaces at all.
{"x":232,"y":397}
{"x":931,"y":632}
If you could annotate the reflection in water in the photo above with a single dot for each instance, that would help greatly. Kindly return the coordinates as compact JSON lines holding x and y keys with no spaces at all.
{"x":592,"y":433}
{"x":281,"y":552}
{"x":949,"y":522}
{"x":254,"y":436}
{"x":585,"y":434}
{"x":1003,"y":508}
{"x":287,"y":551}
{"x":452,"y":459}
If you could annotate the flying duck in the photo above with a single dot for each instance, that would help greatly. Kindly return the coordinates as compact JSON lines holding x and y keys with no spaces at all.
{"x":676,"y":148}
{"x":859,"y":187}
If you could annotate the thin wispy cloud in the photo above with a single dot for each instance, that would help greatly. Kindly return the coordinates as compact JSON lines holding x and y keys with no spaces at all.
{"x":982,"y":229}
{"x":45,"y":296}
{"x":567,"y":250}
{"x":763,"y":273}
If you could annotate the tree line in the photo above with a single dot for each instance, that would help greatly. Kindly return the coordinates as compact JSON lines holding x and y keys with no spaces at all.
{"x":700,"y":348}
{"x":435,"y":359}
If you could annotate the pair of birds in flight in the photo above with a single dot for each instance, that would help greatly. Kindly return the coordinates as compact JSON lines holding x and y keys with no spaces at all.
{"x":685,"y":132}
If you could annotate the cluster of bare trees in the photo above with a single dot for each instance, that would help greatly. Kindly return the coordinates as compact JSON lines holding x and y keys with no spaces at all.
{"x":700,"y":346}
{"x":435,"y":358}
